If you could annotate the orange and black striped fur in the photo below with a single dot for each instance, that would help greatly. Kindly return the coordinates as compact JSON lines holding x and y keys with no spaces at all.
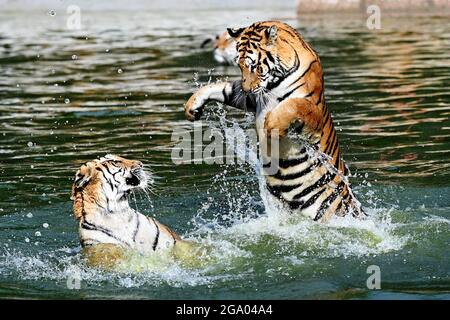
{"x":100,"y":195}
{"x":282,"y":82}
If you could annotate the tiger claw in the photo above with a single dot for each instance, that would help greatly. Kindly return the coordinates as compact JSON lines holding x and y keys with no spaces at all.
{"x":193,"y":108}
{"x":194,"y":114}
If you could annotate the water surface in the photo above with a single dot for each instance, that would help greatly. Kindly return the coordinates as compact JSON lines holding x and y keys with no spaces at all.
{"x":118,"y":86}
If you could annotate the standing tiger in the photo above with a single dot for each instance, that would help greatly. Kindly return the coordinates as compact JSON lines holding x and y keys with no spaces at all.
{"x":282,"y":82}
{"x":107,"y":223}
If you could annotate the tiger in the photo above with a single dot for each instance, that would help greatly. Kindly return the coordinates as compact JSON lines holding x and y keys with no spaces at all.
{"x":224,"y":48}
{"x":107,"y":224}
{"x":282,"y":84}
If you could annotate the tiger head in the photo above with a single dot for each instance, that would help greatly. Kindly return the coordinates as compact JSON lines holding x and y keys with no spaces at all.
{"x":106,"y":183}
{"x":224,"y":48}
{"x":268,"y":52}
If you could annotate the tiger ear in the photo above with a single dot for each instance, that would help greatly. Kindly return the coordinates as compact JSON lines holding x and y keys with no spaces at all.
{"x":82,"y":178}
{"x":235,"y":32}
{"x":272,"y":34}
{"x":205,"y":42}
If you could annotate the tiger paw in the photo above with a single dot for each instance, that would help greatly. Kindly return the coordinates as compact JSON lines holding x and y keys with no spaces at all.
{"x":193,"y":109}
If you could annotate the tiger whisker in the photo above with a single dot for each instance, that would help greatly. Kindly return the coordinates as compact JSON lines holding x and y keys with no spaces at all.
{"x":134,"y":199}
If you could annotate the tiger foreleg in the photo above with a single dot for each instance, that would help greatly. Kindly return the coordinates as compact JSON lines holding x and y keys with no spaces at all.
{"x":294,"y":110}
{"x":213,"y":92}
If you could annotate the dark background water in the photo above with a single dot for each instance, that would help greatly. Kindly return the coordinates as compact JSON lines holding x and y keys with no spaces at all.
{"x":118,"y":86}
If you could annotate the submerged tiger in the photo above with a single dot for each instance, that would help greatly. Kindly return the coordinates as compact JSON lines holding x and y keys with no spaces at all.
{"x":107,"y":223}
{"x":224,"y":48}
{"x":282,"y":83}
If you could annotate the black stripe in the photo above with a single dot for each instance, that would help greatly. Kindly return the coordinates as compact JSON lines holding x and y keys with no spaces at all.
{"x":296,"y":175}
{"x":309,"y":94}
{"x":332,"y":146}
{"x":88,"y":242}
{"x":332,"y":132}
{"x":325,"y":205}
{"x":331,"y":143}
{"x":155,"y":243}
{"x":113,"y":175}
{"x":340,"y":186}
{"x":327,"y":118}
{"x":295,"y":204}
{"x":286,"y":163}
{"x":338,"y":207}
{"x":290,"y":92}
{"x":270,"y":57}
{"x":312,"y":199}
{"x":304,"y":72}
{"x":107,"y":180}
{"x":89,"y":226}
{"x":279,"y":189}
{"x":107,"y":169}
{"x":346,"y":196}
{"x":320,"y":94}
{"x":327,"y":177}
{"x":338,"y":159}
{"x":333,"y":149}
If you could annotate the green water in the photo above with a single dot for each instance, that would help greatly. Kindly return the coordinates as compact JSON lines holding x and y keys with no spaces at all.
{"x":63,"y":101}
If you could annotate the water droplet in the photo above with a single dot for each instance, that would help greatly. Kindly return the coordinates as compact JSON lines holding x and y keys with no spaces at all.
{"x":27,"y":240}
{"x":29,"y":215}
{"x":107,"y":50}
{"x":66,"y":100}
{"x":52,"y":13}
{"x":119,"y":70}
{"x":37,"y":234}
{"x":32,"y":167}
{"x":74,"y":57}
{"x":30,"y":144}
{"x":45,"y":225}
